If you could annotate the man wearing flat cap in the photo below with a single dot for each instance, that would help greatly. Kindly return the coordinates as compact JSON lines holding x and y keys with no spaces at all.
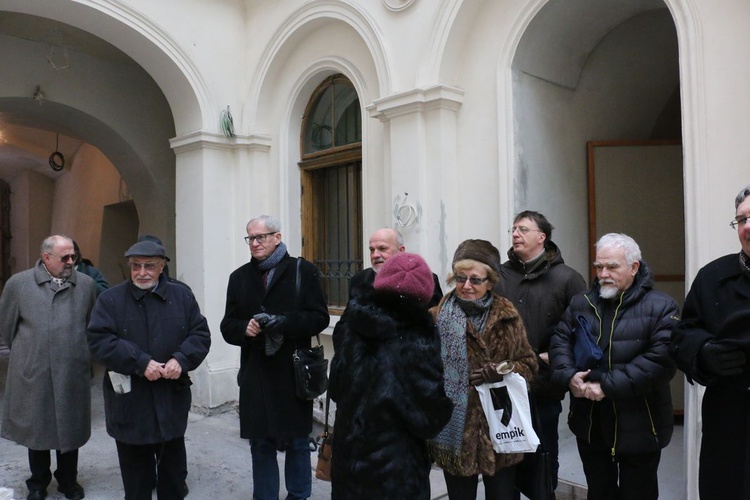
{"x":149,"y":333}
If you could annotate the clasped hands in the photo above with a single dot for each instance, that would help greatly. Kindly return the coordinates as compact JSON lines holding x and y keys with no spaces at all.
{"x":580,"y":388}
{"x":169,"y":370}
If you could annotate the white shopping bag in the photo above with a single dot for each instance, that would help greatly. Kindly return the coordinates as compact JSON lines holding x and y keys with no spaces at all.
{"x":506,"y":406}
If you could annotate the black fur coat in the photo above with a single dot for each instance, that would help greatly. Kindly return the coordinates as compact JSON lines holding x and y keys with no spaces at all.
{"x":387,"y":381}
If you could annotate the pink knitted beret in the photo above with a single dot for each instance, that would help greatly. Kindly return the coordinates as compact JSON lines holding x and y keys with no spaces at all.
{"x":406,"y":274}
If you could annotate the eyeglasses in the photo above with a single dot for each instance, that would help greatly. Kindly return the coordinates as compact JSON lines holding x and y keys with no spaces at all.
{"x":71,"y":257}
{"x":739,"y":221}
{"x":147,"y":266}
{"x":523,"y":229}
{"x":473,"y":280}
{"x":260,"y":238}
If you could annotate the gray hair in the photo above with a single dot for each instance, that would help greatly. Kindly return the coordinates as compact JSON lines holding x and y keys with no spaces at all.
{"x":622,"y":241}
{"x":271,"y":222}
{"x":50,"y":241}
{"x":741,"y":196}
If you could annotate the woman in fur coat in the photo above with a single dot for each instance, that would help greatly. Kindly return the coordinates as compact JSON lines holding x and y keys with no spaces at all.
{"x":387,"y":381}
{"x":479,"y":330}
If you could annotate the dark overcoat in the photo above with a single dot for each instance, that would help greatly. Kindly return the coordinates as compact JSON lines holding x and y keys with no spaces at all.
{"x":387,"y":381}
{"x":633,"y":331}
{"x":47,"y":404}
{"x":129,"y":327}
{"x":541,"y":293}
{"x":720,"y":291}
{"x":269,"y":407}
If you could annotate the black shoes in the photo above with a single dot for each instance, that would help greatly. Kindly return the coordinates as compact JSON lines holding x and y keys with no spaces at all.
{"x":74,"y":492}
{"x":37,"y":495}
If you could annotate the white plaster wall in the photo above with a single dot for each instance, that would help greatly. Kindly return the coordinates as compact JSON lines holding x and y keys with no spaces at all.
{"x":90,"y":182}
{"x":31,"y":197}
{"x":71,"y":205}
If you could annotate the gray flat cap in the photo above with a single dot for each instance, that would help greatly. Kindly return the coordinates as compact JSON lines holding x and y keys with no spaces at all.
{"x":150,"y":237}
{"x":146,"y":249}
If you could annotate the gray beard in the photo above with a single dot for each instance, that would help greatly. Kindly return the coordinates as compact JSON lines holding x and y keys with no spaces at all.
{"x":608,"y":292}
{"x":145,"y":286}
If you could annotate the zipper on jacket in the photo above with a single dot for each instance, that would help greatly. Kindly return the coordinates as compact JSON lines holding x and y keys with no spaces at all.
{"x":609,"y":360}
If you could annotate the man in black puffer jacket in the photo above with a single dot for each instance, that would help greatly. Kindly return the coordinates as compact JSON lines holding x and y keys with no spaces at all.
{"x":621,"y":409}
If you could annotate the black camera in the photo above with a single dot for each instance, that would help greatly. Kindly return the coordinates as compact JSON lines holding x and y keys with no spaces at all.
{"x":262,"y":319}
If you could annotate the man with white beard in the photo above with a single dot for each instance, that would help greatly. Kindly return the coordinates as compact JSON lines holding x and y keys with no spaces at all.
{"x":621,"y":407}
{"x":148,"y":332}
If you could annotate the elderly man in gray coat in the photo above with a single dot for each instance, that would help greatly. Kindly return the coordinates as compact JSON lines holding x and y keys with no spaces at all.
{"x":43,"y":316}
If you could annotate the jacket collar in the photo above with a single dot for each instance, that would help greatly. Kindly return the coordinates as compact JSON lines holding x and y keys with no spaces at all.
{"x":540,"y":265}
{"x":41,"y":275}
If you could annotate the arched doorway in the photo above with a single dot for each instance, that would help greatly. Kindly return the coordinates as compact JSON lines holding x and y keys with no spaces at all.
{"x":110,"y":157}
{"x":605,"y":74}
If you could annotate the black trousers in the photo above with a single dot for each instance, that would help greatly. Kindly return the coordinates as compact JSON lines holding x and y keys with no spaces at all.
{"x":627,"y":476}
{"x":137,"y":465}
{"x":496,"y":487}
{"x":39,"y":463}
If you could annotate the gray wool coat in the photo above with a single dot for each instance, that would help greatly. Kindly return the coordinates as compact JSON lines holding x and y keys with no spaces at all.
{"x":47,"y":403}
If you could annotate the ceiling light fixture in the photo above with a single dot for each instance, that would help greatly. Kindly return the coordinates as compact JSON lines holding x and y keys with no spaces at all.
{"x":56,"y":159}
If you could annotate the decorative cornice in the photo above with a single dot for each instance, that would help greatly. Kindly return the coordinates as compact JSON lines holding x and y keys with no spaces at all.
{"x":398,"y":5}
{"x":209,"y":140}
{"x":417,"y":101}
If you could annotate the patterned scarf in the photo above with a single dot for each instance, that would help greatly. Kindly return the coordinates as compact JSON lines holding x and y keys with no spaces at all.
{"x":452,"y":324}
{"x":270,"y":262}
{"x":57,"y":281}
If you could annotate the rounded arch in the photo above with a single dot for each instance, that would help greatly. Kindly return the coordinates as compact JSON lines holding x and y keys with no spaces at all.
{"x":163,"y":84}
{"x":301,"y":23}
{"x":289,"y":151}
{"x":142,"y":40}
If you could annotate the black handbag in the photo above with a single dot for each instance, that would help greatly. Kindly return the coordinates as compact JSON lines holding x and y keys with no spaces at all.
{"x":534,"y":473}
{"x":310,"y":364}
{"x":310,"y":371}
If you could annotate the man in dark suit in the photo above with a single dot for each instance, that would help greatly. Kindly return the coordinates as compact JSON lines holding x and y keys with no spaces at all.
{"x":384,"y":243}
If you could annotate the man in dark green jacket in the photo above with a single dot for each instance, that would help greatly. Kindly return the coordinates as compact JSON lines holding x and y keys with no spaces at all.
{"x":537,"y":281}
